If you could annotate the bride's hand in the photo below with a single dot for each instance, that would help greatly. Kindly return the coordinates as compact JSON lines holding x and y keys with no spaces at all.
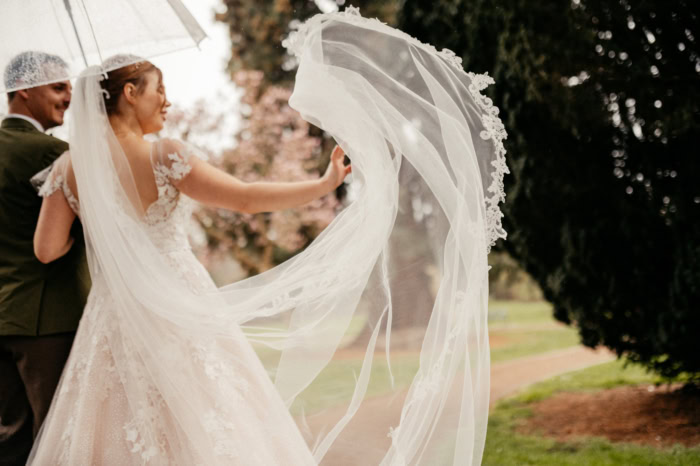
{"x":337,"y":171}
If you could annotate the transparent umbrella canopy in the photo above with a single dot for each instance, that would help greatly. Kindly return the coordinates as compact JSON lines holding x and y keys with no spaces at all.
{"x":83,"y":33}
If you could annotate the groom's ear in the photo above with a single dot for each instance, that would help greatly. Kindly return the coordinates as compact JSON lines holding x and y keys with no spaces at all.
{"x":23,"y":93}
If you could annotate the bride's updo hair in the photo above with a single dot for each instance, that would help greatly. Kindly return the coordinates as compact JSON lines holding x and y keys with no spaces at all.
{"x":135,"y":72}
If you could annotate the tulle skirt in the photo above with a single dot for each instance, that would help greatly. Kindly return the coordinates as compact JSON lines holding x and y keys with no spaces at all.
{"x":108,"y":411}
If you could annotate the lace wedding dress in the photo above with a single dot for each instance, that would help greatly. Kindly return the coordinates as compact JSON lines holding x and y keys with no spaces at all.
{"x":92,"y":420}
{"x":374,"y":337}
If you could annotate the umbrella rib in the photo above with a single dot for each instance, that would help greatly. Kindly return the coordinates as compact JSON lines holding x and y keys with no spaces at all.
{"x":66,"y":3}
{"x":92,"y":30}
{"x":60,"y":29}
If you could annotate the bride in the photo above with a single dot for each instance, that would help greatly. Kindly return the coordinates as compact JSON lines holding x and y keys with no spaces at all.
{"x":167,"y":174}
{"x":164,"y":368}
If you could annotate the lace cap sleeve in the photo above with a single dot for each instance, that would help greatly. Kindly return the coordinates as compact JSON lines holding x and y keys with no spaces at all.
{"x":52,"y":178}
{"x":172,"y":159}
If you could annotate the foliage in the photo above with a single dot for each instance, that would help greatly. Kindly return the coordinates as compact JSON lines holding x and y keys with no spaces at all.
{"x":273,"y":145}
{"x":601,"y":101}
{"x":257,"y":29}
{"x":508,"y":280}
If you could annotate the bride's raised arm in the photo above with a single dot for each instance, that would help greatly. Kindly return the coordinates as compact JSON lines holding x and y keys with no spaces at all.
{"x":211,"y":186}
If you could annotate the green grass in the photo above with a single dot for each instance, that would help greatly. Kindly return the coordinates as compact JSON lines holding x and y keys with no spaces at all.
{"x":526,"y":328}
{"x":339,"y":374}
{"x":508,"y":313}
{"x":514,"y":323}
{"x":335,"y":384}
{"x":520,"y":343}
{"x":506,"y":447}
{"x":607,"y":375}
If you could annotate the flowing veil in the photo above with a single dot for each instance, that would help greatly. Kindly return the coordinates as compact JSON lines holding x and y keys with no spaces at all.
{"x":375,"y":336}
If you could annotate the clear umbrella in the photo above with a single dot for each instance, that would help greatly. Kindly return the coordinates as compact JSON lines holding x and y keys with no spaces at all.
{"x":45,"y":41}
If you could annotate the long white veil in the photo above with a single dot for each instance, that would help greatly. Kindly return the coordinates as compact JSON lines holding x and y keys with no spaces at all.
{"x":375,"y":336}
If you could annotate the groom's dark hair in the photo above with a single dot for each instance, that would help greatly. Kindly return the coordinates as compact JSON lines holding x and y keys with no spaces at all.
{"x":27,"y":66}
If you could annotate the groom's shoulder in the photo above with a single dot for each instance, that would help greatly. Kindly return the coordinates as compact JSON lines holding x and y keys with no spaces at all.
{"x":54,"y":141}
{"x":38,"y":146}
{"x":55,"y":146}
{"x":36,"y":139}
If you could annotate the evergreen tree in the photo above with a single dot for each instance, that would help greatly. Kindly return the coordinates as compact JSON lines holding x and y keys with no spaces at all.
{"x":601,"y":101}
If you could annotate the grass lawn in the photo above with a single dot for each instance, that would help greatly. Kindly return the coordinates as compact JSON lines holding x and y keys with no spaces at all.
{"x":510,"y":313}
{"x":504,"y":446}
{"x":521,"y":343}
{"x":518,"y":329}
{"x":335,"y":384}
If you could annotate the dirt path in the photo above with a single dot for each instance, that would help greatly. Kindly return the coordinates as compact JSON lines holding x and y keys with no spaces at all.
{"x":366,"y":433}
{"x":510,"y":376}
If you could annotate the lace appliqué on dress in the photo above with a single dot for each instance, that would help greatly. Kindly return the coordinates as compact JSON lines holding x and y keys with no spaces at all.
{"x":221,"y":431}
{"x":141,"y":425}
{"x":167,"y":193}
{"x":180,"y":166}
{"x":53,"y":184}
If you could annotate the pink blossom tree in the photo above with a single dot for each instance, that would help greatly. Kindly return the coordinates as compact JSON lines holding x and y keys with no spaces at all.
{"x":273,"y":144}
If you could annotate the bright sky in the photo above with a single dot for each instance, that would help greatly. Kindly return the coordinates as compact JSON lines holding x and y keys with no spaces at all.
{"x":195,"y":74}
{"x":190,"y":75}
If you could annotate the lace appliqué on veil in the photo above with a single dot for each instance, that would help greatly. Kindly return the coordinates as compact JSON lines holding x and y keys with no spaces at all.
{"x":494,"y":128}
{"x":495,"y":131}
{"x":295,"y":40}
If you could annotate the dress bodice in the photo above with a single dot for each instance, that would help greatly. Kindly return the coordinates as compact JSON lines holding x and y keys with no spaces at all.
{"x":168,"y":215}
{"x":115,"y":386}
{"x":166,"y":219}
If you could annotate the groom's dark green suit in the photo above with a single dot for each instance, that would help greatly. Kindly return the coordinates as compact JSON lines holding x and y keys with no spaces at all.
{"x":40,"y":304}
{"x":35,"y":298}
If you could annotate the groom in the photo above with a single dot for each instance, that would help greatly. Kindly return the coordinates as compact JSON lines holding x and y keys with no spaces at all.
{"x":40,"y":304}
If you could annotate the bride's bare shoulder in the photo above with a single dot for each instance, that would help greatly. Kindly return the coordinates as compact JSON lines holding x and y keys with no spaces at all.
{"x":166,"y":143}
{"x":136,"y":150}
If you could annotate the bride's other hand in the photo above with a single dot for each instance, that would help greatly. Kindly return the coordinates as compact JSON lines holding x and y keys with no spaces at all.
{"x":337,"y":171}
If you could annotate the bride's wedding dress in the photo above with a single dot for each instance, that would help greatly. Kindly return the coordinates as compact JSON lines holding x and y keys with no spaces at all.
{"x":368,"y":347}
{"x":92,"y":420}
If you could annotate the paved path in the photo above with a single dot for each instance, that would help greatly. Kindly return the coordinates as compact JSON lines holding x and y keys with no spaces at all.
{"x":368,"y":428}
